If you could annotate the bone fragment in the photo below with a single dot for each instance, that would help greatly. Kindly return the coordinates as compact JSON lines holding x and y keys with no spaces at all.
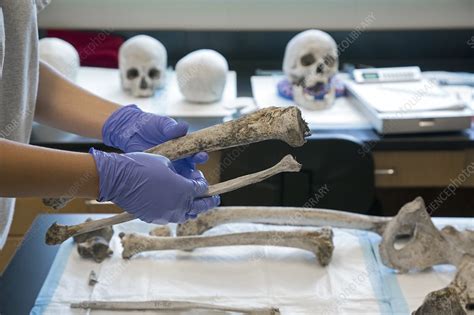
{"x":162,"y":230}
{"x":318,"y":242}
{"x":271,"y":123}
{"x":93,"y":278}
{"x":106,"y":232}
{"x":455,"y":299}
{"x":169,"y":306}
{"x":57,"y":234}
{"x":96,"y":248}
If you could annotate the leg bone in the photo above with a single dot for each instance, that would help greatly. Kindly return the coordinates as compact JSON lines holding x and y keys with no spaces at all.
{"x":280,"y":216}
{"x":320,"y":242}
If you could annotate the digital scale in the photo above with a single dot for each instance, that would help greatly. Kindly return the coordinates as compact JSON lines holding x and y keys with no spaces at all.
{"x":399,"y":101}
{"x":380,"y":75}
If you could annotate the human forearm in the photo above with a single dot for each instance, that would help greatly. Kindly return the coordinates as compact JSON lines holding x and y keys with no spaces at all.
{"x":66,"y":106}
{"x":29,"y":171}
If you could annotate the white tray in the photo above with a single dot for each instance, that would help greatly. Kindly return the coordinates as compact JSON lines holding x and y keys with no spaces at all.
{"x":167,"y":101}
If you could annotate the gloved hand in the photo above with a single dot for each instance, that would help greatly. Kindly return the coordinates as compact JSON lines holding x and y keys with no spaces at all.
{"x":132,"y":130}
{"x":149,"y":187}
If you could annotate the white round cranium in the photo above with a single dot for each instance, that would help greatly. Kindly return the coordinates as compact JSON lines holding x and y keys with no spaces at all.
{"x":142,"y":65}
{"x":202,"y":76}
{"x":60,"y":55}
{"x":310,"y":61}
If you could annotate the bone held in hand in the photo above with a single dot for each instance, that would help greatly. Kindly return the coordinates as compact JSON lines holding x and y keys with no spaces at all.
{"x":318,"y":242}
{"x":57,"y":234}
{"x":272,"y":123}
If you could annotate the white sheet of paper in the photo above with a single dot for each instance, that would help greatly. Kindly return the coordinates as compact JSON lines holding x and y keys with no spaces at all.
{"x":167,"y":101}
{"x":342,"y":115}
{"x":240,"y":276}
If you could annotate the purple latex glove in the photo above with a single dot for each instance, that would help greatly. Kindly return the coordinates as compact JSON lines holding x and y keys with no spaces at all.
{"x":132,"y":130}
{"x":149,"y":187}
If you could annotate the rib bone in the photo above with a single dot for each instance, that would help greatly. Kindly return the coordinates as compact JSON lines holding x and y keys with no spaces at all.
{"x":272,"y":123}
{"x":57,"y":234}
{"x":169,"y":306}
{"x":318,"y":242}
{"x":457,"y":298}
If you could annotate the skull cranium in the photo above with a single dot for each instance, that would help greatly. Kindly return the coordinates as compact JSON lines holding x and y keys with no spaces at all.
{"x":60,"y":55}
{"x":310,"y":62}
{"x":142,"y":64}
{"x":202,"y":75}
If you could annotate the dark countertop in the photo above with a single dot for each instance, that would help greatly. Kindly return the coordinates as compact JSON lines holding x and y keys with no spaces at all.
{"x":21,"y":282}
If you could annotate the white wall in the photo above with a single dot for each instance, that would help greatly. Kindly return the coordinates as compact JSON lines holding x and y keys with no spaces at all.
{"x":257,"y":14}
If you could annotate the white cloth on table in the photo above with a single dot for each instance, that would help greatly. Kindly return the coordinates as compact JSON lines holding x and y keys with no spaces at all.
{"x":354,"y":282}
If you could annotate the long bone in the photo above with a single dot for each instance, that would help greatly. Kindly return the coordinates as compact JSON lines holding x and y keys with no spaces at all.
{"x":318,"y":242}
{"x":168,"y":305}
{"x":426,"y":247}
{"x":57,"y":233}
{"x":293,"y":216}
{"x":457,"y":298}
{"x":272,"y":123}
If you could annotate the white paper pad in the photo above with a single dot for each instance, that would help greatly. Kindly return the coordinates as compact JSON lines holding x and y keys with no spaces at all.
{"x":406,"y":97}
{"x":167,"y":101}
{"x":355,"y":282}
{"x":342,"y":115}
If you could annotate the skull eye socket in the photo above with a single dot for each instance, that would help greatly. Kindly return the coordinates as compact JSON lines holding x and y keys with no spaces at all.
{"x":307,"y":60}
{"x":132,"y":73}
{"x":154,"y":73}
{"x":329,"y":60}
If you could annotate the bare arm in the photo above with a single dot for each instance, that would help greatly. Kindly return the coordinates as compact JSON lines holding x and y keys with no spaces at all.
{"x":66,"y":106}
{"x":30,"y":171}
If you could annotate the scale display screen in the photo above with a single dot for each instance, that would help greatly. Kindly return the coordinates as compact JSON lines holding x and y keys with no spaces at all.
{"x":370,"y":75}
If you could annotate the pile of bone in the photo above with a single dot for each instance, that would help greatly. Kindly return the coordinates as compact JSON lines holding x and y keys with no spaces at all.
{"x":425,"y":245}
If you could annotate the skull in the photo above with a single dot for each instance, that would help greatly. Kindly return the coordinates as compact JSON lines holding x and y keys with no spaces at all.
{"x":202,"y":76}
{"x":310,"y":63}
{"x":60,"y":55}
{"x":142,"y":64}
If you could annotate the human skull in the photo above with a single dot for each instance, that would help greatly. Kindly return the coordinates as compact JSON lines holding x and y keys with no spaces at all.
{"x":202,"y":76}
{"x":310,"y":63}
{"x":142,"y":65}
{"x":60,"y":55}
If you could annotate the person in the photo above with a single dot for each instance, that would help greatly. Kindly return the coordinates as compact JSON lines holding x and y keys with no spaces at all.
{"x":151,"y":187}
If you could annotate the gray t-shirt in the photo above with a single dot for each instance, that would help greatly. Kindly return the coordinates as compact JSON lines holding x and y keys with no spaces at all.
{"x":19,"y":67}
